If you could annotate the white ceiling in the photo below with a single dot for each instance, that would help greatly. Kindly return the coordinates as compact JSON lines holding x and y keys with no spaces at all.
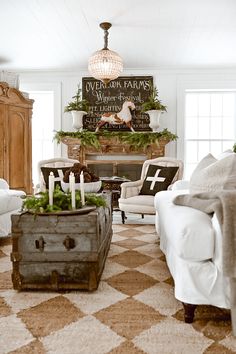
{"x":62,"y":34}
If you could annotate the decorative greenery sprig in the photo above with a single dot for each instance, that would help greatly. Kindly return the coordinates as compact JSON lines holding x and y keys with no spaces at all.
{"x":234,"y":148}
{"x":61,"y":201}
{"x":86,"y":138}
{"x":135,"y":140}
{"x":153,"y":102}
{"x":142,"y":140}
{"x":78,"y":104}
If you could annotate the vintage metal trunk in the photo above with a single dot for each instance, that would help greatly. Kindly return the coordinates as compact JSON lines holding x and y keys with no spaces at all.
{"x":60,"y":251}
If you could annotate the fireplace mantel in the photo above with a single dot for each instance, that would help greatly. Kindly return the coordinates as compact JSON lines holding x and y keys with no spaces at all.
{"x":112,"y":151}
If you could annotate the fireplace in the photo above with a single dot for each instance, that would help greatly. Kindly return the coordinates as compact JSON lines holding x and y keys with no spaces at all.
{"x":113,"y":158}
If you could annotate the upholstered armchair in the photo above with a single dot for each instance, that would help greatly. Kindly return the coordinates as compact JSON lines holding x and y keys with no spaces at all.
{"x":156,"y":175}
{"x":57,"y":163}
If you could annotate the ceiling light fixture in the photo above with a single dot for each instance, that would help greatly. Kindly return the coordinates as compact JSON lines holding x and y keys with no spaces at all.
{"x":105,"y":64}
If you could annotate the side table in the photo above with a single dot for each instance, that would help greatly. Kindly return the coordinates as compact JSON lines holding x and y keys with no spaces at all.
{"x":113,"y":184}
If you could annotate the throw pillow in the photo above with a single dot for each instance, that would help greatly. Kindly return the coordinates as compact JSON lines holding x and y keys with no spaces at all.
{"x":58,"y":174}
{"x":158,"y":178}
{"x":225,"y":154}
{"x":214,"y":175}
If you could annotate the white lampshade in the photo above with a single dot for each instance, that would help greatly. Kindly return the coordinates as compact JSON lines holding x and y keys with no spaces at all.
{"x":105,"y":64}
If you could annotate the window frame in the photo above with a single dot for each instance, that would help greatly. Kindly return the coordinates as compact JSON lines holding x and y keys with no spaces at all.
{"x":56,"y":89}
{"x":185,"y":85}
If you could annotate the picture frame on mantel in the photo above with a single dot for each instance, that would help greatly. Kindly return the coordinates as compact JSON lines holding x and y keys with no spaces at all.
{"x":111,"y":98}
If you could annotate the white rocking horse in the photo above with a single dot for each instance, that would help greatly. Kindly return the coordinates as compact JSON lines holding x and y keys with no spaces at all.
{"x":122,"y":117}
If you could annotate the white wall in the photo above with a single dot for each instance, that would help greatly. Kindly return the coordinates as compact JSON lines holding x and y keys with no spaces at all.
{"x":170,"y":84}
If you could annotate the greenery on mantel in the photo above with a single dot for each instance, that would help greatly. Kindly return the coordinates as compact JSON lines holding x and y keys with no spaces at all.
{"x":135,"y":140}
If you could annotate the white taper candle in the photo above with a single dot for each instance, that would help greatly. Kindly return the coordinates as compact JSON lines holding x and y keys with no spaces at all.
{"x":82,"y":188}
{"x":72,"y":189}
{"x":70,"y":175}
{"x":51,"y":187}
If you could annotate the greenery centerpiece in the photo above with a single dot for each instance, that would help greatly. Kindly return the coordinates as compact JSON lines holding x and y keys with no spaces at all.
{"x":78,"y":108}
{"x":39,"y":203}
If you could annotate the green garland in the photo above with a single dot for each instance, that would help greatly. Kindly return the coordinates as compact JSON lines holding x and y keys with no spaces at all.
{"x":61,"y":201}
{"x":135,"y":140}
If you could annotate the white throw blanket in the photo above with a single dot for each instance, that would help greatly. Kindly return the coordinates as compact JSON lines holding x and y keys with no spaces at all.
{"x":223,"y":203}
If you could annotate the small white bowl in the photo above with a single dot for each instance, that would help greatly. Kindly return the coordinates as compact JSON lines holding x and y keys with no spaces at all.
{"x":90,"y":187}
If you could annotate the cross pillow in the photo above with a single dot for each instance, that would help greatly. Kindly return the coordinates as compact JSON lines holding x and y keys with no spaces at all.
{"x":158,"y":178}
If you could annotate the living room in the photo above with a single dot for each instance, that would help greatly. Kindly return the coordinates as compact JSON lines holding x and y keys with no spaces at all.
{"x":164,"y":272}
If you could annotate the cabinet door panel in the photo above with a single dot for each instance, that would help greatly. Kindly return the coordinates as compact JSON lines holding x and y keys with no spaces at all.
{"x":2,"y":141}
{"x":15,"y":138}
{"x":18,"y":148}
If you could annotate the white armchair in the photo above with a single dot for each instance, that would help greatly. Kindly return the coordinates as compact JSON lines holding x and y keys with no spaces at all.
{"x":56,"y":162}
{"x":132,"y":201}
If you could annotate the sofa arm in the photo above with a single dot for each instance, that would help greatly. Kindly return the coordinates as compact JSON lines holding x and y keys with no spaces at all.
{"x":130,"y":189}
{"x":181,"y":184}
{"x":3,"y":184}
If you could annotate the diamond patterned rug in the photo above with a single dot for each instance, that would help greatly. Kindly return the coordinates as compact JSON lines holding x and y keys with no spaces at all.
{"x":132,"y":312}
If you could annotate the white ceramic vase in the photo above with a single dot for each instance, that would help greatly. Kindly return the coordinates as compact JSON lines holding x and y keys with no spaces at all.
{"x":154,"y":119}
{"x":78,"y":119}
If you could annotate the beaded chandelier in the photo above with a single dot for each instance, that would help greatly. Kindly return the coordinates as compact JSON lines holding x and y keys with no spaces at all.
{"x":105,"y":64}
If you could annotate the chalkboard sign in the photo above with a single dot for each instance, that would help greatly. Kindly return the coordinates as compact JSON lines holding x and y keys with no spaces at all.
{"x":111,"y":98}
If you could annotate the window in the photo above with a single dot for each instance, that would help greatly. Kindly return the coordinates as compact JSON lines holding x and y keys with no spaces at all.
{"x":42,"y":128}
{"x":209,"y":125}
{"x":46,"y":110}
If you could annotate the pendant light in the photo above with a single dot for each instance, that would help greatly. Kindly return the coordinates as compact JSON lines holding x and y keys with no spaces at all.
{"x":105,"y":64}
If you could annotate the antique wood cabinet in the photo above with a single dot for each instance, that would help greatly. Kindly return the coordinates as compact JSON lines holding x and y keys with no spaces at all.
{"x":15,"y":138}
{"x":60,"y":251}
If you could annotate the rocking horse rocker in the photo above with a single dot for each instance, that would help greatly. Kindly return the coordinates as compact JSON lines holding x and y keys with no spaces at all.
{"x":122,"y":117}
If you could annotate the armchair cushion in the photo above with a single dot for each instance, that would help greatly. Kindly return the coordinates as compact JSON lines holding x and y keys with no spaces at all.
{"x":58,"y":174}
{"x":158,"y":178}
{"x":138,"y":204}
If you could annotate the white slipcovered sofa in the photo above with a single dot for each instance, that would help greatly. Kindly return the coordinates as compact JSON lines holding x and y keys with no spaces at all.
{"x":192,"y":243}
{"x":10,"y":203}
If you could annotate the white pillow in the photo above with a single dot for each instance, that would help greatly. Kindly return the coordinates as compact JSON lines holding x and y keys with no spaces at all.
{"x":3,"y":184}
{"x":225,"y":154}
{"x":213,"y":175}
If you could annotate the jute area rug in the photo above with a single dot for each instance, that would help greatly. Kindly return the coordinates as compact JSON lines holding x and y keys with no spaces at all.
{"x":133,"y":310}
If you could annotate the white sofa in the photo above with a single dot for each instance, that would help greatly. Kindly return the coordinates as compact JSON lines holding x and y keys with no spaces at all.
{"x":192,"y":242}
{"x":10,"y":203}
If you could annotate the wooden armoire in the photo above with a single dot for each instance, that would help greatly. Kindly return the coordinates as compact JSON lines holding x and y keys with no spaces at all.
{"x":15,"y":138}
